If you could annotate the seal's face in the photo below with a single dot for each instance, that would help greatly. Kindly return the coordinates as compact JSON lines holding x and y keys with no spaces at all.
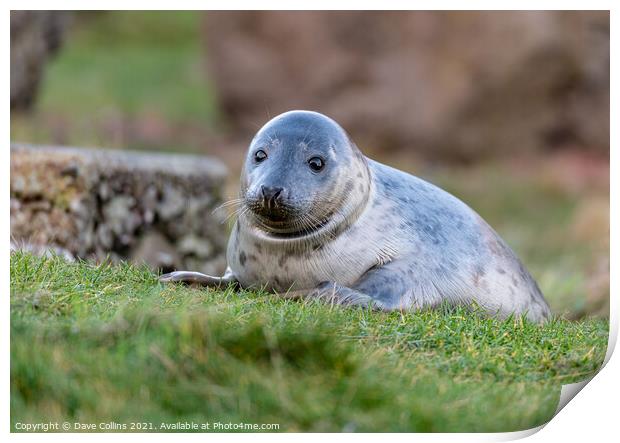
{"x":299,"y":172}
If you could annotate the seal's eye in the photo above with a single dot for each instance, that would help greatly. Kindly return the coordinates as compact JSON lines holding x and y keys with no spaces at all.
{"x":260,"y":155}
{"x":316,"y":163}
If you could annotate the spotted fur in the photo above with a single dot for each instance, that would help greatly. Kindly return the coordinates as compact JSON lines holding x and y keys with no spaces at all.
{"x":391,"y":240}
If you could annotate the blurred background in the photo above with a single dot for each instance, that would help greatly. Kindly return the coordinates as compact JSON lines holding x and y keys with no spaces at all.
{"x":509,"y":111}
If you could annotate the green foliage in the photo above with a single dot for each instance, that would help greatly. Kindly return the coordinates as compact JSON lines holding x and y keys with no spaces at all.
{"x":120,"y":69}
{"x":139,"y":62}
{"x":102,"y":342}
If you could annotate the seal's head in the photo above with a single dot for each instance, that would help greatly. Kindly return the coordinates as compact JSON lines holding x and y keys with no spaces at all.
{"x":302,"y":175}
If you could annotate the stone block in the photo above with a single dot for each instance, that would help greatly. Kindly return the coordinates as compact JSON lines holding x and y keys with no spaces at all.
{"x":141,"y":206}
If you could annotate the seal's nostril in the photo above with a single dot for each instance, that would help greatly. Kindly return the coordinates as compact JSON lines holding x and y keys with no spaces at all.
{"x":271,"y":193}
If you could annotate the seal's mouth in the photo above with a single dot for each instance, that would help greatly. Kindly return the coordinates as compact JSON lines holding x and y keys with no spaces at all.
{"x":302,"y":230}
{"x":283,"y":220}
{"x":273,"y":213}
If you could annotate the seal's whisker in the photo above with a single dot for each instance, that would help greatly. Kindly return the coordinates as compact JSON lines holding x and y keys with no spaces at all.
{"x":231,"y":202}
{"x":236,"y":213}
{"x":312,"y":222}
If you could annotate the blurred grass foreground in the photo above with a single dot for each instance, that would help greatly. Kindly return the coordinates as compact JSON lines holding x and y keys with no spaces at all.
{"x":100,"y":343}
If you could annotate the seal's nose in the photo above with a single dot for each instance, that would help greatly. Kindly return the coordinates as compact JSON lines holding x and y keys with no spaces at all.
{"x":271,"y":195}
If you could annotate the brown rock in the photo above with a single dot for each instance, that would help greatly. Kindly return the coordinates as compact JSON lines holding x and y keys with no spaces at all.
{"x":449,"y":84}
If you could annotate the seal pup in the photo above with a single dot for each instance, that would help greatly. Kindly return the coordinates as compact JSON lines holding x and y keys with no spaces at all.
{"x":318,"y":219}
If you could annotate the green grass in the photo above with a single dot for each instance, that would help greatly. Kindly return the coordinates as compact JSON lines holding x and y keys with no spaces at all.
{"x":95,"y":343}
{"x":136,"y":61}
{"x":119,"y":70}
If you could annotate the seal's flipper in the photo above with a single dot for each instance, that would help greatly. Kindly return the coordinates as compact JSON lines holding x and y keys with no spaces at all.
{"x":382,"y":288}
{"x":333,"y":293}
{"x":199,"y":278}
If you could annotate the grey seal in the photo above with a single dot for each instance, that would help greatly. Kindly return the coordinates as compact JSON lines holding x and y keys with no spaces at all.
{"x":318,"y":219}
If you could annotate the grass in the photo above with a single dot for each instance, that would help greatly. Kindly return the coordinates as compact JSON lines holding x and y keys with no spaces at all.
{"x":120,"y":73}
{"x":98,"y":343}
{"x":136,"y":61}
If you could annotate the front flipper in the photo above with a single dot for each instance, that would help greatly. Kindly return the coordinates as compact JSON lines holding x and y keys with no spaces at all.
{"x":384,"y":288}
{"x":190,"y":277}
{"x":334,"y":293}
